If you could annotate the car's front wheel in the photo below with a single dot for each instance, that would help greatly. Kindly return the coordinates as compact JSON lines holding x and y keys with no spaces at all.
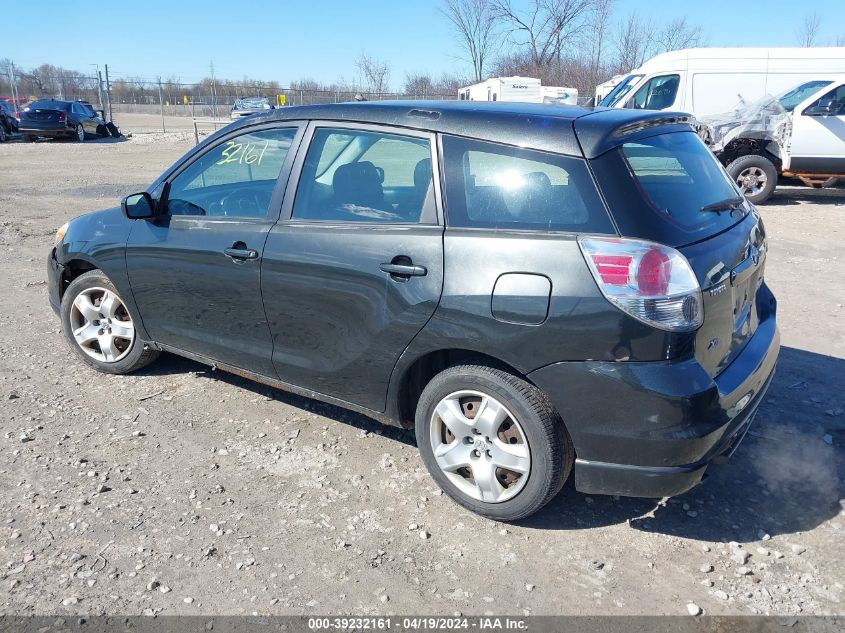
{"x":100,"y":328}
{"x":79,"y":134}
{"x":756,"y":176}
{"x":492,"y":441}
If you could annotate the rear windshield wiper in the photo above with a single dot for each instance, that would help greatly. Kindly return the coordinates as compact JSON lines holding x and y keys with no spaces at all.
{"x":722,"y":205}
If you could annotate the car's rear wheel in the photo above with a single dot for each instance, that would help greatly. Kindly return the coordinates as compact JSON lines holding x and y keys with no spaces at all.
{"x":99,"y":327}
{"x":756,"y":176}
{"x":79,"y":135}
{"x":3,"y":136}
{"x":492,"y":441}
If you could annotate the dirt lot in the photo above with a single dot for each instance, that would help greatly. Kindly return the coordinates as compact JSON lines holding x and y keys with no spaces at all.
{"x":182,"y":490}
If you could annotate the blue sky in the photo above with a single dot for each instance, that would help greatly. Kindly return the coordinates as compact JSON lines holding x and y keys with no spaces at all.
{"x":285,"y":40}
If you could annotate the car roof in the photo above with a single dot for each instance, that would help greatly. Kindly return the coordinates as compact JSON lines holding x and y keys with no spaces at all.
{"x":571,"y":130}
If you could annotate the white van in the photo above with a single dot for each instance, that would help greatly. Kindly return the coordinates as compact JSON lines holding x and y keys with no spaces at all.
{"x":706,"y":81}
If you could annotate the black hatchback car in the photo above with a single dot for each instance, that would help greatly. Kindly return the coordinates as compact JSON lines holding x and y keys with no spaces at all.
{"x":534,"y":289}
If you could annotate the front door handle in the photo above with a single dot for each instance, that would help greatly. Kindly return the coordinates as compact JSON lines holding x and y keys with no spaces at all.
{"x":241,"y":253}
{"x":404,"y":270}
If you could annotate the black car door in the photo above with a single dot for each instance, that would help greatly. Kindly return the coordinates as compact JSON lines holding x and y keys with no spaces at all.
{"x":355,"y":268}
{"x":195,"y":267}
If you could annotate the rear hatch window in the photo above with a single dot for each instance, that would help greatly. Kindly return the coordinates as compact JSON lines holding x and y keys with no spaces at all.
{"x":668,"y":188}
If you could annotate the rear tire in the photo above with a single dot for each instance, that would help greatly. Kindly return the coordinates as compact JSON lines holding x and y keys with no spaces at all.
{"x":99,"y":327}
{"x":755,"y":175}
{"x":473,"y":419}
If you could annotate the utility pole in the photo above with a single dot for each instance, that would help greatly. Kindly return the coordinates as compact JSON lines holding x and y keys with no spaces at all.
{"x":13,"y":84}
{"x":108,"y":93}
{"x":161,"y":104}
{"x":213,"y":93}
{"x":100,"y":92}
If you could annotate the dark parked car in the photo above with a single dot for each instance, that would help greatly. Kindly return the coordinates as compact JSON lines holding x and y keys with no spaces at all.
{"x":8,"y":122}
{"x":534,"y":289}
{"x":76,"y":120}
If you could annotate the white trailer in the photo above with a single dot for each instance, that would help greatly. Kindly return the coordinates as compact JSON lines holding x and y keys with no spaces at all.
{"x":519,"y":89}
{"x":706,"y":81}
{"x":559,"y":95}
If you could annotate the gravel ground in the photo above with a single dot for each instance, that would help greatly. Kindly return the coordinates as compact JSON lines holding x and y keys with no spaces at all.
{"x":180,"y":490}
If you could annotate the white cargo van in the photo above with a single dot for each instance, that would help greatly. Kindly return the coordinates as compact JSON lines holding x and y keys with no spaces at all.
{"x":520,"y":89}
{"x":705,"y":81}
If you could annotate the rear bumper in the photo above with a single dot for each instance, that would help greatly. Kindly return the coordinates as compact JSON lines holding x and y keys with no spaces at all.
{"x":652,"y":429}
{"x":44,"y":130}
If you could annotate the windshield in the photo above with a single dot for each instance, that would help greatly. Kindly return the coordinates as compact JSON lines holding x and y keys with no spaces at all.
{"x":622,"y":88}
{"x":791,"y":98}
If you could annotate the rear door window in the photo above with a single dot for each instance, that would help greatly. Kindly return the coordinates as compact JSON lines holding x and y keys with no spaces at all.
{"x":502,"y":187}
{"x":365,"y":176}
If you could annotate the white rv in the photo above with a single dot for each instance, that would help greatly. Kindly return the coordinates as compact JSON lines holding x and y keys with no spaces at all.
{"x":525,"y":89}
{"x":706,"y":81}
{"x":520,"y":89}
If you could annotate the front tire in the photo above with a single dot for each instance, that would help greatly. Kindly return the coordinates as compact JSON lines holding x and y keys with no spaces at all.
{"x":79,"y":133}
{"x":755,"y":175}
{"x":492,"y":441}
{"x":99,"y":327}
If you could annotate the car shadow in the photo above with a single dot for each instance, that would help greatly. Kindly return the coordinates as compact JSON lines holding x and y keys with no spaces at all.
{"x":798,"y":194}
{"x":787,"y":476}
{"x":170,"y":364}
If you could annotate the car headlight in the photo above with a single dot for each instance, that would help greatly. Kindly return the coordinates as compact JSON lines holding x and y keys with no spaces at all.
{"x":60,"y":234}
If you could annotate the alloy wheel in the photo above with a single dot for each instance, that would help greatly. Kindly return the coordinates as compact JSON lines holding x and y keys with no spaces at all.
{"x":752,"y":180}
{"x":80,"y":132}
{"x":101,"y":325}
{"x":480,"y":446}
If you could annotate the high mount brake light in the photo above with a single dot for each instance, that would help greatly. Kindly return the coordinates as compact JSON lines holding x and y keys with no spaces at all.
{"x":651,"y":282}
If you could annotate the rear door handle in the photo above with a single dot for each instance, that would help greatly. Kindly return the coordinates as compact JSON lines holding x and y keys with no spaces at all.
{"x":241,"y":253}
{"x":404,"y":270}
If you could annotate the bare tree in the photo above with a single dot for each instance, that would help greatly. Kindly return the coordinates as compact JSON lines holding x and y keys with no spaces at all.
{"x":676,"y":35}
{"x":809,"y":30}
{"x":598,"y":25}
{"x":374,"y":73}
{"x":475,"y":24}
{"x":633,"y":43}
{"x":544,"y":27}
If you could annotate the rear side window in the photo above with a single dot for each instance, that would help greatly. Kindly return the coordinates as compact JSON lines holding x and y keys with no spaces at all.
{"x":668,"y":188}
{"x":502,"y":187}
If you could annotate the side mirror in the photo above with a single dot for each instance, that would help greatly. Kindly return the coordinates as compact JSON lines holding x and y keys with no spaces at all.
{"x":824,"y":108}
{"x":138,"y":206}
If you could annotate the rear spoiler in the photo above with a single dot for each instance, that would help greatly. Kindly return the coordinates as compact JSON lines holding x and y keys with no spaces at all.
{"x":605,"y":129}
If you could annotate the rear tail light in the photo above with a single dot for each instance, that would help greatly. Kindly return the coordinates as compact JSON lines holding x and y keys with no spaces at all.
{"x":18,"y":115}
{"x":62,"y":117}
{"x":653,"y":283}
